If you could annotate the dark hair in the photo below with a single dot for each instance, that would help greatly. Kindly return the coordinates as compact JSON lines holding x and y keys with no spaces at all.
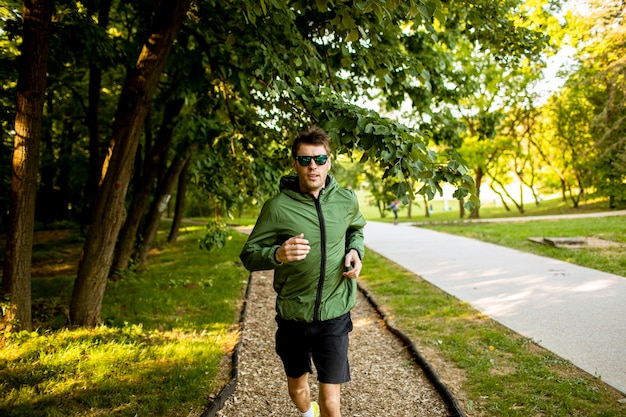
{"x":313,"y":135}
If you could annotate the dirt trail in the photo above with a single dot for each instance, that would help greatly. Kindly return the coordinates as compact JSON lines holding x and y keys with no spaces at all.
{"x":385,"y":380}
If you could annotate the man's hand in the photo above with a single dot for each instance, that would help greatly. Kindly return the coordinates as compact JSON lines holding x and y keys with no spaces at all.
{"x":353,"y":264}
{"x":293,"y":249}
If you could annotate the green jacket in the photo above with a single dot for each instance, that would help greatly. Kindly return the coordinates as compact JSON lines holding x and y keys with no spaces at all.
{"x":311,"y":289}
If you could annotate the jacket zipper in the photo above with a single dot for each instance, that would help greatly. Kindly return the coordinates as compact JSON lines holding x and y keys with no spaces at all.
{"x":320,"y":283}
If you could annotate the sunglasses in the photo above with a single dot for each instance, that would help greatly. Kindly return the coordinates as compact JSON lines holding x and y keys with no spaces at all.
{"x":305,"y":161}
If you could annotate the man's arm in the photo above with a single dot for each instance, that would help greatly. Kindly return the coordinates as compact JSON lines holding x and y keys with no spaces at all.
{"x":264,"y":250}
{"x":352,"y":264}
{"x":355,"y":247}
{"x":258,"y":253}
{"x":354,"y":233}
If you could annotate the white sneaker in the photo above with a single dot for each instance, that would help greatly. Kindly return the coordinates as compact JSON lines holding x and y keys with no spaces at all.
{"x":316,"y":409}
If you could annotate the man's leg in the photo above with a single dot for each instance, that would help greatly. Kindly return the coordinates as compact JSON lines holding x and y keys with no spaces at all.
{"x":330,"y":355}
{"x":299,"y":392}
{"x":330,"y":400}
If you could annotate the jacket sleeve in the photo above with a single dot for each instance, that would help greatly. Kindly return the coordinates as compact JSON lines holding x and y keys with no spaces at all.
{"x":354,"y":234}
{"x":258,"y":252}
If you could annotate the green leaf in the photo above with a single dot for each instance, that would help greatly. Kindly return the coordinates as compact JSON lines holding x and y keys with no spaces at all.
{"x":347,"y":138}
{"x":378,"y":11}
{"x":366,"y":141}
{"x":440,"y":16}
{"x":381,"y":130}
{"x":399,"y":189}
{"x":460,"y":193}
{"x":348,"y":22}
{"x":352,"y":36}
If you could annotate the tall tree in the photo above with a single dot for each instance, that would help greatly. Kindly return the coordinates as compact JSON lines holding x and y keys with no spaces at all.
{"x":602,"y":75}
{"x":31,"y":88}
{"x":144,"y":187}
{"x":108,"y":213}
{"x":570,"y":135}
{"x":179,"y":206}
{"x":159,"y":205}
{"x":93,"y":123}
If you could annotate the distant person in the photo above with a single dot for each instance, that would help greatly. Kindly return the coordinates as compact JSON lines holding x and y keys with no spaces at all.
{"x":311,"y":233}
{"x":394,"y":205}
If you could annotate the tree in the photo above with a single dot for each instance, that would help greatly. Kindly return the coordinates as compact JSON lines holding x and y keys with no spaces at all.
{"x":570,"y":114}
{"x":179,"y":208}
{"x":93,"y":111}
{"x":31,"y":87}
{"x":602,"y":75}
{"x":479,"y":76}
{"x":159,"y":205}
{"x":144,"y":186}
{"x":108,"y":210}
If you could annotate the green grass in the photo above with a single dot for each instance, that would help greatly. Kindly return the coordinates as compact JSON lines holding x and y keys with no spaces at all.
{"x":162,"y":350}
{"x":516,"y":235}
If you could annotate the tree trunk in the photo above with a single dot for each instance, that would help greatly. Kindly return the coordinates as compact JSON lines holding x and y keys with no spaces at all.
{"x":179,"y":211}
{"x":506,"y":206}
{"x":141,"y":197}
{"x":478,"y":180}
{"x":520,"y":208}
{"x":31,"y":87}
{"x":108,"y":213}
{"x":409,"y":209}
{"x":93,"y":125}
{"x":159,"y":205}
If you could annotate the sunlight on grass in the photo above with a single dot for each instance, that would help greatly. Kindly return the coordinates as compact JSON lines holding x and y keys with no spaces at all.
{"x":163,"y":350}
{"x":128,"y":358}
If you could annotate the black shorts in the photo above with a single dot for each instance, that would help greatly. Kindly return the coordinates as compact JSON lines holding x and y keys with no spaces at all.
{"x":326,"y":342}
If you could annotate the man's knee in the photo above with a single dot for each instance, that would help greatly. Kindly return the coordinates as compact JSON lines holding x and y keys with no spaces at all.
{"x":298,"y":387}
{"x":330,"y":400}
{"x":331,"y":405}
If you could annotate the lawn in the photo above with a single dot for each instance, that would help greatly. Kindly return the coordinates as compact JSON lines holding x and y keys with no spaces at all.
{"x":517,"y":235}
{"x":163,"y":347}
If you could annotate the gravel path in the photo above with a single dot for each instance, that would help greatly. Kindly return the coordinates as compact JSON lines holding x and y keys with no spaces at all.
{"x":385,"y":380}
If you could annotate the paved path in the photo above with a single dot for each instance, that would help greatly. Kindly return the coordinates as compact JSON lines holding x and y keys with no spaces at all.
{"x":575,"y":312}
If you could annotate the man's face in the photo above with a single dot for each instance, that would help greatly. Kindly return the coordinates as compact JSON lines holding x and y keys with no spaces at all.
{"x":312,"y":178}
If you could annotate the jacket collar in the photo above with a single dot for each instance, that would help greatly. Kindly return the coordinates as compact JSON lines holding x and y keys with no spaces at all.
{"x":289,"y":184}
